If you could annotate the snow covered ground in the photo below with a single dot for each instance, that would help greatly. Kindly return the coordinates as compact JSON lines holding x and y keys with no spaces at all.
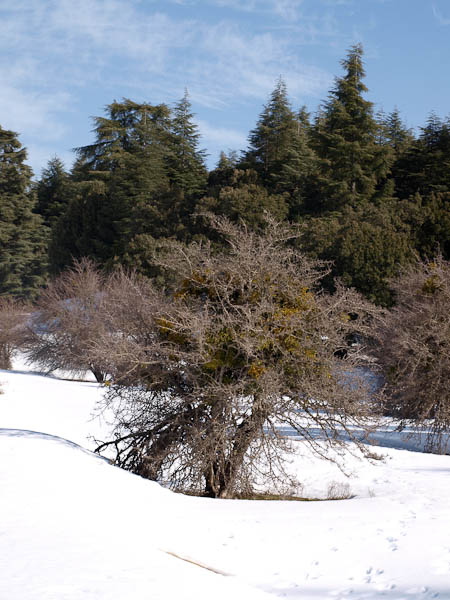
{"x":73,"y":527}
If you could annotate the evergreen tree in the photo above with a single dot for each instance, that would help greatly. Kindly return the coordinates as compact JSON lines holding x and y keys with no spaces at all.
{"x":425,"y":167}
{"x":53,"y":192}
{"x":272,"y":137}
{"x":122,"y":185}
{"x":397,"y":135}
{"x":352,"y":166}
{"x":238,"y":196}
{"x":366,"y":246}
{"x":84,"y":229}
{"x":280,"y":150}
{"x":429,"y":221}
{"x":237,"y":193}
{"x":186,"y":172}
{"x":297,"y":173}
{"x":422,"y":179}
{"x":23,"y":237}
{"x":186,"y":163}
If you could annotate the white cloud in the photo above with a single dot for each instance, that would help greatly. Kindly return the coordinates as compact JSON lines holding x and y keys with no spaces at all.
{"x":286,"y":9}
{"x":221,"y":136}
{"x":439,"y":16}
{"x":66,"y":43}
{"x":220,"y":139}
{"x":52,"y":52}
{"x":32,"y":112}
{"x":248,"y":66}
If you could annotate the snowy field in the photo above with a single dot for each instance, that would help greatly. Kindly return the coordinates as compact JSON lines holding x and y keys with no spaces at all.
{"x":73,"y":527}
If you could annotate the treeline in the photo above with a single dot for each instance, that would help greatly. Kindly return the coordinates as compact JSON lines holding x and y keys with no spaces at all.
{"x":369,"y":195}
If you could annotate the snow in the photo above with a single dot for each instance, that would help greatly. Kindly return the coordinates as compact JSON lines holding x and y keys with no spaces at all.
{"x":73,"y":527}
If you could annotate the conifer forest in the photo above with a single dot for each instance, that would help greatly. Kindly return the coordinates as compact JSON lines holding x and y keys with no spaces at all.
{"x":368,"y":194}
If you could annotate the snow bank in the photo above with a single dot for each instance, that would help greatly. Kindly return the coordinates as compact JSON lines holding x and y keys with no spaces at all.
{"x":73,"y":527}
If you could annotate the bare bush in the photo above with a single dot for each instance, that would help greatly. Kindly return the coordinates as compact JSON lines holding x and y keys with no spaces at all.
{"x":338,"y":490}
{"x":67,"y":318}
{"x":414,"y":351}
{"x":205,"y":378}
{"x":13,"y":317}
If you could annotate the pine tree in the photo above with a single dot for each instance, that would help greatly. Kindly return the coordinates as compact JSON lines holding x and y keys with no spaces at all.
{"x":425,"y":167}
{"x":84,"y":229}
{"x":121,"y":185}
{"x":352,"y":164}
{"x":422,"y":179}
{"x":272,"y":137}
{"x":366,"y":246}
{"x":23,"y":237}
{"x":296,"y":173}
{"x":239,"y":197}
{"x":53,"y":192}
{"x":397,"y":135}
{"x":280,"y":151}
{"x":186,"y":163}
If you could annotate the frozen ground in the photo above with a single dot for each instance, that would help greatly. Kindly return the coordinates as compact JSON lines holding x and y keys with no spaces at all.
{"x":72,"y":527}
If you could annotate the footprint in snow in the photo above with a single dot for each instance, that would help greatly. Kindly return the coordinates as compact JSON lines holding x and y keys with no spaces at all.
{"x":385,"y":587}
{"x":392,"y":543}
{"x":422,"y":590}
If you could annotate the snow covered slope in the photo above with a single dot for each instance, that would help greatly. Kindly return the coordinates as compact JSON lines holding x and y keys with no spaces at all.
{"x":73,"y":527}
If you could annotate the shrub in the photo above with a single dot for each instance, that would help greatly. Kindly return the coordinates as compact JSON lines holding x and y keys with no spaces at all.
{"x":204,"y":376}
{"x":67,"y":318}
{"x":13,"y":317}
{"x":414,"y":351}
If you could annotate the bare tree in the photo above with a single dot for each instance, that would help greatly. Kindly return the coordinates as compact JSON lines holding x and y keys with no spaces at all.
{"x":13,"y":317}
{"x":205,"y":377}
{"x":67,"y":318}
{"x":414,"y":351}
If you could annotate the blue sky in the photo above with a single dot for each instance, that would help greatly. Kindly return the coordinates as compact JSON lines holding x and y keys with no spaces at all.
{"x":63,"y":61}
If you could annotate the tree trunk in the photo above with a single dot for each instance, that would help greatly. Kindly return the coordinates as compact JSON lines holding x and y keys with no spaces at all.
{"x":5,"y":357}
{"x":98,"y":374}
{"x":221,"y":473}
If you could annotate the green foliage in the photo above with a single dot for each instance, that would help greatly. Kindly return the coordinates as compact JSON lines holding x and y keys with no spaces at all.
{"x":85,"y":229}
{"x":280,"y":152}
{"x":185,"y":162}
{"x":143,"y":180}
{"x":366,"y":246}
{"x":425,"y":167}
{"x":238,"y":196}
{"x":138,"y":179}
{"x":23,"y":237}
{"x":352,"y":164}
{"x":273,"y":136}
{"x":429,"y":220}
{"x":53,"y":191}
{"x":395,"y":133}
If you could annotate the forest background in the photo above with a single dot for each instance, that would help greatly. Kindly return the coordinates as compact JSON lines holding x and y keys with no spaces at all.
{"x":369,"y":194}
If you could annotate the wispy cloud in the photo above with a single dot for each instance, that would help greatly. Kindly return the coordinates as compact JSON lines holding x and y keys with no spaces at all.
{"x":286,"y":9}
{"x":247,"y":66}
{"x":52,"y":52}
{"x":33,"y":112}
{"x":439,"y":16}
{"x":62,"y":42}
{"x":221,"y":136}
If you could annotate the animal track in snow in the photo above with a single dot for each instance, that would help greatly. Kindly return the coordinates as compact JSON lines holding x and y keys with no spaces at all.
{"x":392,"y":543}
